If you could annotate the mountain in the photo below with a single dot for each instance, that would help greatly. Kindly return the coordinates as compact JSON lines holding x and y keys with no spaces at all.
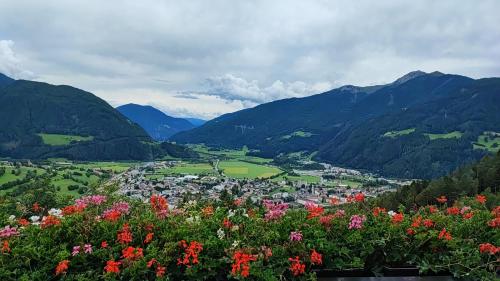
{"x":418,"y":126}
{"x":4,"y":80}
{"x":156,"y":123}
{"x":39,"y":120}
{"x":196,"y":122}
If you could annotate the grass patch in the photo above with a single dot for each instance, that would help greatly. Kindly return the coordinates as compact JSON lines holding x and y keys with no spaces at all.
{"x":488,"y":141}
{"x":300,"y":134}
{"x":395,"y":134}
{"x":187,"y":169}
{"x":452,"y":135}
{"x":115,"y":167}
{"x":304,"y":178}
{"x":57,"y":139}
{"x":240,"y":169}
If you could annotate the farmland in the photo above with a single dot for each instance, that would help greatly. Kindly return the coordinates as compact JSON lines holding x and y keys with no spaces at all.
{"x":240,"y":169}
{"x":451,"y":135}
{"x":395,"y":134}
{"x":57,"y":139}
{"x":489,"y":141}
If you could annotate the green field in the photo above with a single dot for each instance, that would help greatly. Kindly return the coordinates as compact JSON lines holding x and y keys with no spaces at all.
{"x":8,"y":176}
{"x":300,"y":134}
{"x":116,"y":167}
{"x":452,"y":135}
{"x":187,"y":169}
{"x":395,"y":134}
{"x":489,"y":141}
{"x":304,"y":178}
{"x":228,"y":154}
{"x":240,"y":169}
{"x":57,"y":139}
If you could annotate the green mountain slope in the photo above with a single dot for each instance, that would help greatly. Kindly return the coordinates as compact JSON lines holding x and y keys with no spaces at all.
{"x":39,"y":120}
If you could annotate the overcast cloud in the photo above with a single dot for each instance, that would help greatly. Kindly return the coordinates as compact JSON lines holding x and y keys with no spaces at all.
{"x":206,"y":58}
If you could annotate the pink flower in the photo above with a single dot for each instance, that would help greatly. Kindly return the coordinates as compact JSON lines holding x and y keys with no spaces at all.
{"x":76,"y":250}
{"x":90,"y":200}
{"x":87,"y":248}
{"x":274,"y":210}
{"x":8,"y":231}
{"x":357,"y":222}
{"x":296,"y":236}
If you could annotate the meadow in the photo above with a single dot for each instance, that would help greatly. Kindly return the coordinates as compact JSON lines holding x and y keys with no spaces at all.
{"x":240,"y":169}
{"x":57,"y":139}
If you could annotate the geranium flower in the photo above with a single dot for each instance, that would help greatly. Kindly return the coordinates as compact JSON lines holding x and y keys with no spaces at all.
{"x":377,"y":211}
{"x":296,"y":267}
{"x":274,"y":211}
{"x":112,"y":266}
{"x":132,"y":254}
{"x":124,"y":236}
{"x":8,"y":231}
{"x":220,"y":233}
{"x":316,"y":258}
{"x":489,"y":248}
{"x":428,"y":223}
{"x":62,"y":267}
{"x":494,"y":222}
{"x":104,"y":244}
{"x":356,"y":221}
{"x":442,"y":199}
{"x":359,"y":197}
{"x":334,"y":200}
{"x":23,"y":222}
{"x":314,"y":210}
{"x":5,"y":247}
{"x":36,"y":207}
{"x":397,"y":218}
{"x":55,"y":212}
{"x":149,"y":238}
{"x":295,"y":236}
{"x":453,"y":211}
{"x":191,"y":252}
{"x":416,"y":222}
{"x":75,"y":251}
{"x":444,"y":235}
{"x":481,"y":199}
{"x":49,"y":221}
{"x":241,"y":264}
{"x":410,"y":231}
{"x":87,"y":248}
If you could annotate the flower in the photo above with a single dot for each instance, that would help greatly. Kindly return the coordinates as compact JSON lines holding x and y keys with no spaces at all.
{"x":75,"y":251}
{"x":488,"y":248}
{"x":468,"y":215}
{"x":359,"y":197}
{"x":481,"y":199}
{"x":208,"y":211}
{"x":377,"y":211}
{"x":12,"y":218}
{"x":316,"y":258}
{"x":160,"y":270}
{"x":124,"y":236}
{"x":104,"y":244}
{"x":111,"y":215}
{"x":494,"y":222}
{"x":391,"y":213}
{"x":23,"y":222}
{"x":314,"y":210}
{"x":8,"y":231}
{"x":87,"y":248}
{"x":410,"y":231}
{"x":432,"y":209}
{"x":227,"y":223}
{"x":416,"y":222}
{"x":235,"y":244}
{"x":72,"y":209}
{"x":220,"y":233}
{"x":191,"y":252}
{"x":132,"y":254}
{"x":34,"y":219}
{"x":274,"y":211}
{"x":442,"y":199}
{"x":356,"y":221}
{"x":55,"y":212}
{"x":453,"y":211}
{"x":397,"y":218}
{"x":5,"y":247}
{"x":334,"y":200}
{"x":444,"y":235}
{"x":62,"y":267}
{"x":159,"y":204}
{"x":428,"y":223}
{"x":112,"y":266}
{"x":90,"y":200}
{"x":49,"y":221}
{"x":295,"y":236}
{"x":241,"y":264}
{"x":36,"y":207}
{"x":149,"y":238}
{"x":296,"y":267}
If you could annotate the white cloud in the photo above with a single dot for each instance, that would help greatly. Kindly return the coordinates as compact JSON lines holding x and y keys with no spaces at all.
{"x":231,"y":87}
{"x":10,"y":64}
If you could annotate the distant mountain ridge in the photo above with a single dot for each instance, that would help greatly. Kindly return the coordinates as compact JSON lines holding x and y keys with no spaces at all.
{"x":344,"y":125}
{"x":156,"y":123}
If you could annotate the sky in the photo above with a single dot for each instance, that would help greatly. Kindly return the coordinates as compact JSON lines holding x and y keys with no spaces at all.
{"x":206,"y":58}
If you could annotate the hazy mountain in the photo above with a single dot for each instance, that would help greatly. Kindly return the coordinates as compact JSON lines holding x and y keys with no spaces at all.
{"x":196,"y":122}
{"x":346,"y":126}
{"x":156,"y":123}
{"x":4,"y":80}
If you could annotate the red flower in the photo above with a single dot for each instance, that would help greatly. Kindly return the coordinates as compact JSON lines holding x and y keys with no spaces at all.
{"x":151,"y":262}
{"x":104,"y":244}
{"x":397,"y":218}
{"x":208,"y":211}
{"x":160,"y":270}
{"x":481,"y":198}
{"x":238,"y":202}
{"x":334,"y":201}
{"x":496,"y":211}
{"x":112,"y":215}
{"x":377,"y":211}
{"x":316,"y":258}
{"x":241,"y":263}
{"x":132,"y":253}
{"x":444,"y":235}
{"x":410,"y":231}
{"x":149,"y":238}
{"x":296,"y":267}
{"x":416,"y":222}
{"x":62,"y":267}
{"x":72,"y":209}
{"x":191,"y":252}
{"x":326,"y":221}
{"x":494,"y":222}
{"x":428,"y":223}
{"x":314,"y":210}
{"x":442,"y":199}
{"x":124,"y":236}
{"x":23,"y":222}
{"x":453,"y":211}
{"x":227,"y":223}
{"x":488,"y":248}
{"x":159,"y":205}
{"x":112,"y":266}
{"x":36,"y":207}
{"x":5,"y":247}
{"x":50,"y":221}
{"x":359,"y":197}
{"x":432,"y":209}
{"x":468,"y":215}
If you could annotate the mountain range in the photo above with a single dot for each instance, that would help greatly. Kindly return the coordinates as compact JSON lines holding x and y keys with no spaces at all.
{"x":156,"y":123}
{"x":39,"y":120}
{"x":422,"y":125}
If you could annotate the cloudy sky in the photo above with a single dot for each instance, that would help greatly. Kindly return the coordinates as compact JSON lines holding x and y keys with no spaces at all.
{"x":206,"y":58}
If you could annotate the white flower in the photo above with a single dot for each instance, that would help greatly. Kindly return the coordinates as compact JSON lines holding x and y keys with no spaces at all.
{"x":12,"y":218}
{"x":235,"y":228}
{"x":34,"y":219}
{"x":55,"y":212}
{"x":236,"y":243}
{"x":190,"y":220}
{"x":231,"y":213}
{"x":391,"y":213}
{"x":220,"y":233}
